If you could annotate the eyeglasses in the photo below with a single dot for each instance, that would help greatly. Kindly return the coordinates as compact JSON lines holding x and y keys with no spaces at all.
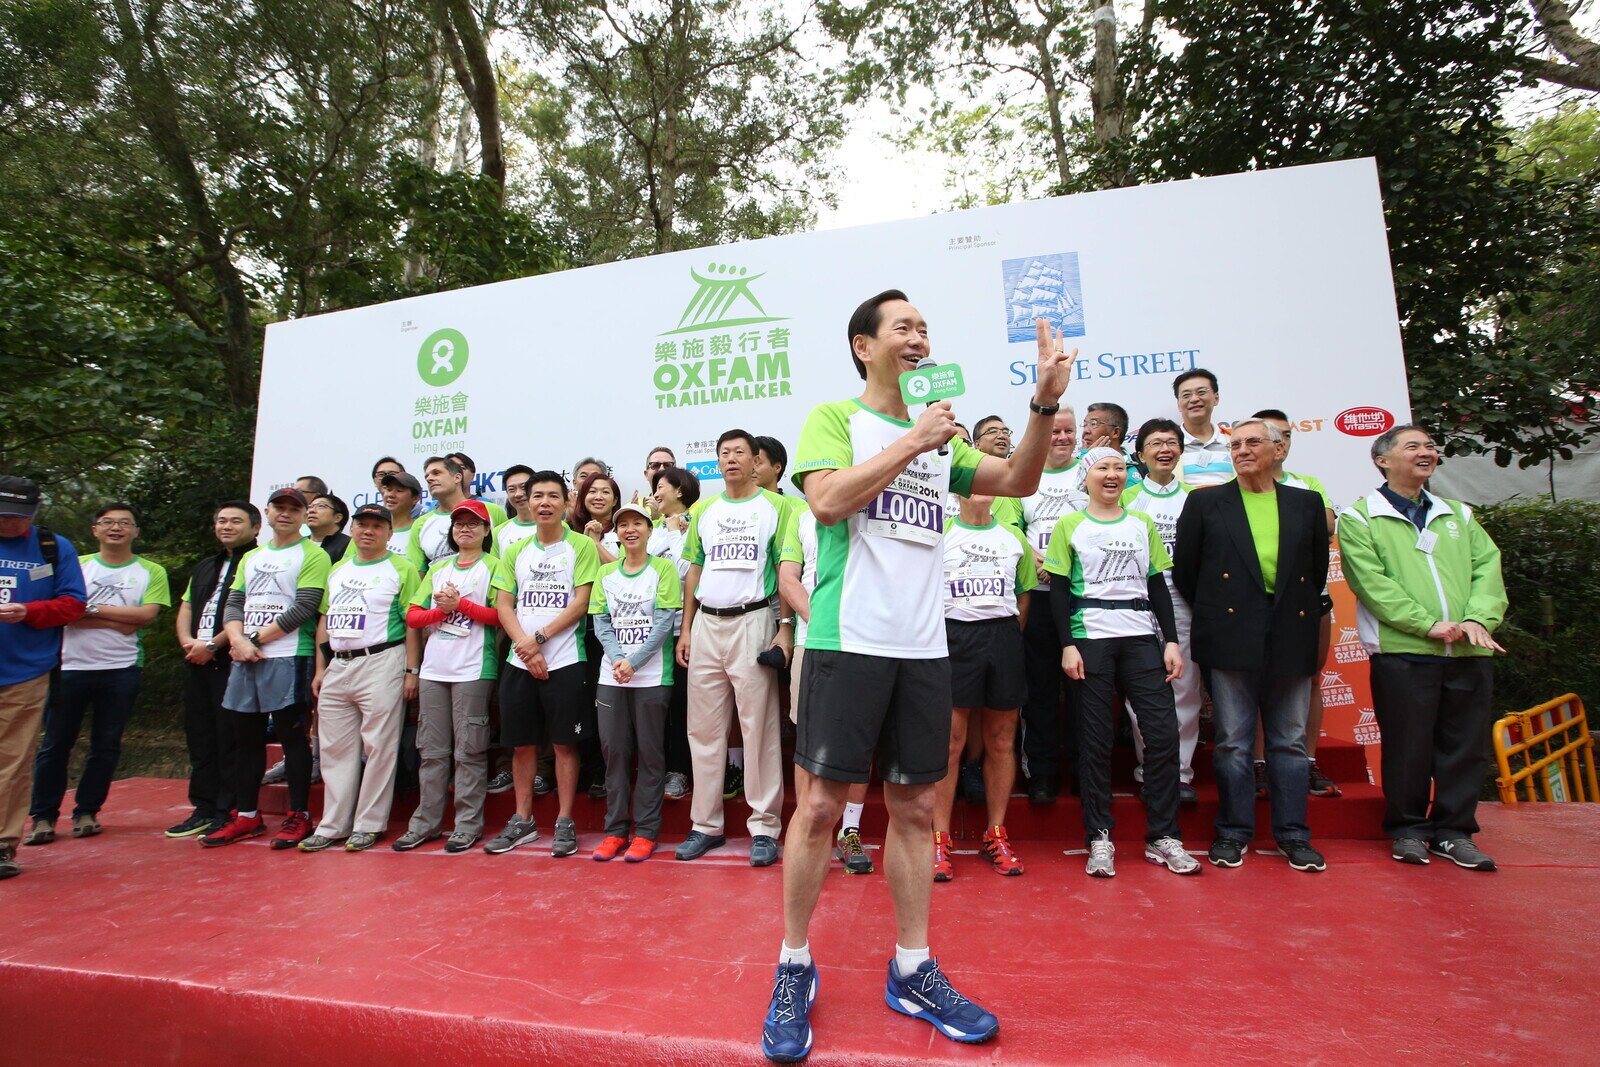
{"x":656,"y":466}
{"x":1195,"y":394}
{"x":999,"y":431}
{"x":466,"y":524}
{"x":116,"y":524}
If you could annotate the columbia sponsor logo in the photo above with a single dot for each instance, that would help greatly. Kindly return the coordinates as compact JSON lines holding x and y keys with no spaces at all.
{"x":1335,"y":693}
{"x":705,"y":470}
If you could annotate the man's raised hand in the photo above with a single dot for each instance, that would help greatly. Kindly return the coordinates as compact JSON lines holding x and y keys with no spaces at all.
{"x":1055,"y":364}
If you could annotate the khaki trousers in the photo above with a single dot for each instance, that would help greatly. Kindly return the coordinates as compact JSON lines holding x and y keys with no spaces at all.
{"x":21,"y":710}
{"x":724,"y":681}
{"x":360,"y":711}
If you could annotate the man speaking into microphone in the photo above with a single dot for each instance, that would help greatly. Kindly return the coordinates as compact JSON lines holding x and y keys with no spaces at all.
{"x":875,"y":685}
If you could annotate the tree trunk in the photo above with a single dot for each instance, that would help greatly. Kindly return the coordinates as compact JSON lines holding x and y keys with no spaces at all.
{"x":1106,"y":94}
{"x":1583,"y":72}
{"x":153,"y":97}
{"x":1052,"y":99}
{"x":477,"y":79}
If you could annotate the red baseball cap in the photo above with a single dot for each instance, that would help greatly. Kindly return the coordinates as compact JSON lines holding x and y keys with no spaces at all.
{"x":475,"y":508}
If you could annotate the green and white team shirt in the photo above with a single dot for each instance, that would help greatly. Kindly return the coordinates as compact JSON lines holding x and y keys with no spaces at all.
{"x":269,"y":577}
{"x":631,"y":600}
{"x":544,"y":579}
{"x":399,"y":540}
{"x":460,"y":649}
{"x":1060,"y":493}
{"x":736,"y":545}
{"x":365,"y":604}
{"x":800,"y":546}
{"x":985,"y":567}
{"x":1108,"y":560}
{"x":510,"y":534}
{"x":879,"y":590}
{"x":667,"y":543}
{"x":1307,"y":481}
{"x":123,"y":585}
{"x":429,"y":540}
{"x":1163,"y":503}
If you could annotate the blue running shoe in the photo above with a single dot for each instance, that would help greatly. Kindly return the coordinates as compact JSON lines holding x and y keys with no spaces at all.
{"x":786,"y":1032}
{"x":928,"y":995}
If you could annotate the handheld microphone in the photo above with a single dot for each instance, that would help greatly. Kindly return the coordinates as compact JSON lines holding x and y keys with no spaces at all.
{"x":925,"y":363}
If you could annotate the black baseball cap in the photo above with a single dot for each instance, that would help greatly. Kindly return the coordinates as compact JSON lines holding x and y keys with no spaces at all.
{"x":373,"y":511}
{"x":402,"y":478}
{"x":287,"y":493}
{"x":18,"y":496}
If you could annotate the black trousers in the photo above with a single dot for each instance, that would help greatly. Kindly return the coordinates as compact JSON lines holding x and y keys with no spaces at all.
{"x":208,"y":728}
{"x":250,"y":755}
{"x":1436,"y":718}
{"x":678,"y":724}
{"x":1133,"y":666}
{"x":1043,"y":733}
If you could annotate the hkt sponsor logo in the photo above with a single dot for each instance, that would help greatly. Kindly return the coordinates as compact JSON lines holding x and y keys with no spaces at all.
{"x":1363,"y":422}
{"x":1335,"y":693}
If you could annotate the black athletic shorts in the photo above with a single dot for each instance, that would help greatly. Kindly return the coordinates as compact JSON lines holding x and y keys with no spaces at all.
{"x":547,"y":711}
{"x":986,"y":665}
{"x":855,"y":709}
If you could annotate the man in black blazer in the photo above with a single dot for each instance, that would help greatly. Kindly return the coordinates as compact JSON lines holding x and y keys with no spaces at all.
{"x":1251,"y":559}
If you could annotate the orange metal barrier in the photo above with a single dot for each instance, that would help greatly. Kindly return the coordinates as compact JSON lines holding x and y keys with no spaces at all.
{"x":1554,"y":749}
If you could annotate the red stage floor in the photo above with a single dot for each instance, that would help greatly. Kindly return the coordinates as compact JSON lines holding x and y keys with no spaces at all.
{"x":129,"y":948}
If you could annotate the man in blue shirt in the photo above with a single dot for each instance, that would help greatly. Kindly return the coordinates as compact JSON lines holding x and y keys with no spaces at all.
{"x":41,"y":590}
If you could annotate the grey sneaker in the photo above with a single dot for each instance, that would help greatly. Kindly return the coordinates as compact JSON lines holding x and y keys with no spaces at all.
{"x":41,"y":832}
{"x":316,"y":843}
{"x":542,"y":786}
{"x":565,"y":843}
{"x":677,"y":785}
{"x":1170,"y":853}
{"x":1463,"y":853}
{"x":851,"y":852}
{"x":412,"y":839}
{"x":316,"y":769}
{"x":763,"y":851}
{"x":1102,"y":857}
{"x":276,"y":773}
{"x":501,"y":782}
{"x":85,"y":824}
{"x":8,"y":863}
{"x":1410,"y":850}
{"x":518,"y":831}
{"x":360,"y":841}
{"x":460,"y":841}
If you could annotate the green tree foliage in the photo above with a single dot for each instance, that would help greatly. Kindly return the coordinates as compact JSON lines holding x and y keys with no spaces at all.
{"x":1477,"y":241}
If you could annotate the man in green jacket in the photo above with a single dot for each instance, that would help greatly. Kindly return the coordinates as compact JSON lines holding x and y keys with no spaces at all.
{"x":1428,"y":580}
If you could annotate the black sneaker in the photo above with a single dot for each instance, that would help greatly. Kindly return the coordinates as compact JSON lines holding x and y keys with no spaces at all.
{"x":501,"y":782}
{"x":1042,"y":789}
{"x":1322,"y":785}
{"x":543,"y":786}
{"x":1187,"y":797}
{"x":1301,"y":856}
{"x":1226,"y":852}
{"x":1463,"y":853}
{"x":9,"y":867}
{"x":1410,"y":850}
{"x":732,"y":782}
{"x":1261,"y":779}
{"x":971,"y":784}
{"x":192,"y":826}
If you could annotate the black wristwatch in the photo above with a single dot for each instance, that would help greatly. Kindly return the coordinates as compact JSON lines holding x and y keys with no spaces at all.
{"x":1047,"y":412}
{"x":538,"y":636}
{"x":254,"y":637}
{"x":211,"y":646}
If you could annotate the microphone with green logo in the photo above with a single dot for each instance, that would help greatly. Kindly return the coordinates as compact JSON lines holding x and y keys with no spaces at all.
{"x":931,"y":383}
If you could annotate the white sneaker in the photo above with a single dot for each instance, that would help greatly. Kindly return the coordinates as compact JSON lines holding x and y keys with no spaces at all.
{"x":1170,"y":853}
{"x":1102,"y":857}
{"x":276,"y":773}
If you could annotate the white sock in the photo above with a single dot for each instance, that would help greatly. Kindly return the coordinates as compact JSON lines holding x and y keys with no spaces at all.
{"x":801,"y":955}
{"x":736,"y":757}
{"x":907,"y":960}
{"x":247,"y":815}
{"x":852,"y":816}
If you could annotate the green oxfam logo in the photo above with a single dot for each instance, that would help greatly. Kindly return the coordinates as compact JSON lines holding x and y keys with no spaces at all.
{"x":723,"y":293}
{"x":442,"y":357}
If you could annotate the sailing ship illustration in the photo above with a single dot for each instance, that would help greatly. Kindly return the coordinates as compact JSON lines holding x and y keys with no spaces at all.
{"x":1045,"y":288}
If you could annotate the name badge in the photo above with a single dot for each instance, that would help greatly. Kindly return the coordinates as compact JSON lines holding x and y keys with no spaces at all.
{"x":43,"y":570}
{"x":1426,"y":539}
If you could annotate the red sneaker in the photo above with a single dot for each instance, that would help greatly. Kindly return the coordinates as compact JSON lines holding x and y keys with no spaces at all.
{"x":295,"y":829}
{"x":609,"y":848}
{"x":237,"y":828}
{"x":639,"y":850}
{"x":943,"y":848}
{"x":998,"y":849}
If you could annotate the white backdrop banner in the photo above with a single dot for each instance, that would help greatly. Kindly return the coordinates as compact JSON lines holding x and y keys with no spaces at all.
{"x":1278,"y":282}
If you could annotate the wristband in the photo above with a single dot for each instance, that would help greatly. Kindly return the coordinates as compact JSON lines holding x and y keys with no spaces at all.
{"x":413,"y":670}
{"x":1045,"y":411}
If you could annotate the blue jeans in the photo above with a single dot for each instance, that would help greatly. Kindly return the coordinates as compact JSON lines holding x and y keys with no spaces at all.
{"x":1239,"y":699}
{"x":111,"y":693}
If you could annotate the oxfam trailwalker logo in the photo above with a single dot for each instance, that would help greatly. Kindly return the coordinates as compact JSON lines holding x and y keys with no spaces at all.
{"x":440,"y":418}
{"x":722,"y":348}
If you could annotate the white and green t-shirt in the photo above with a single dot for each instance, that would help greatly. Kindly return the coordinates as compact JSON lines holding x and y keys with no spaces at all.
{"x":269,"y":577}
{"x":544,"y":580}
{"x":800,"y":546}
{"x":1307,"y":481}
{"x":123,"y":585}
{"x":667,"y":543}
{"x":985,"y":567}
{"x":1108,"y":560}
{"x":631,"y":601}
{"x":1060,"y":492}
{"x":736,"y":544}
{"x":365,"y":604}
{"x":429,"y":540}
{"x":510,"y":534}
{"x":879,"y":590}
{"x":1162,"y":503}
{"x":460,"y":648}
{"x":399,"y":540}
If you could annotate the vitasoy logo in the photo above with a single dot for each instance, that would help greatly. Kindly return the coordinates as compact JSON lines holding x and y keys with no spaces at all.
{"x":1363,"y":422}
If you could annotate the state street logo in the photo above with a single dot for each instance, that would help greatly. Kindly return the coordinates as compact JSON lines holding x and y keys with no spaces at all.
{"x":1043,"y":287}
{"x":722,"y":349}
